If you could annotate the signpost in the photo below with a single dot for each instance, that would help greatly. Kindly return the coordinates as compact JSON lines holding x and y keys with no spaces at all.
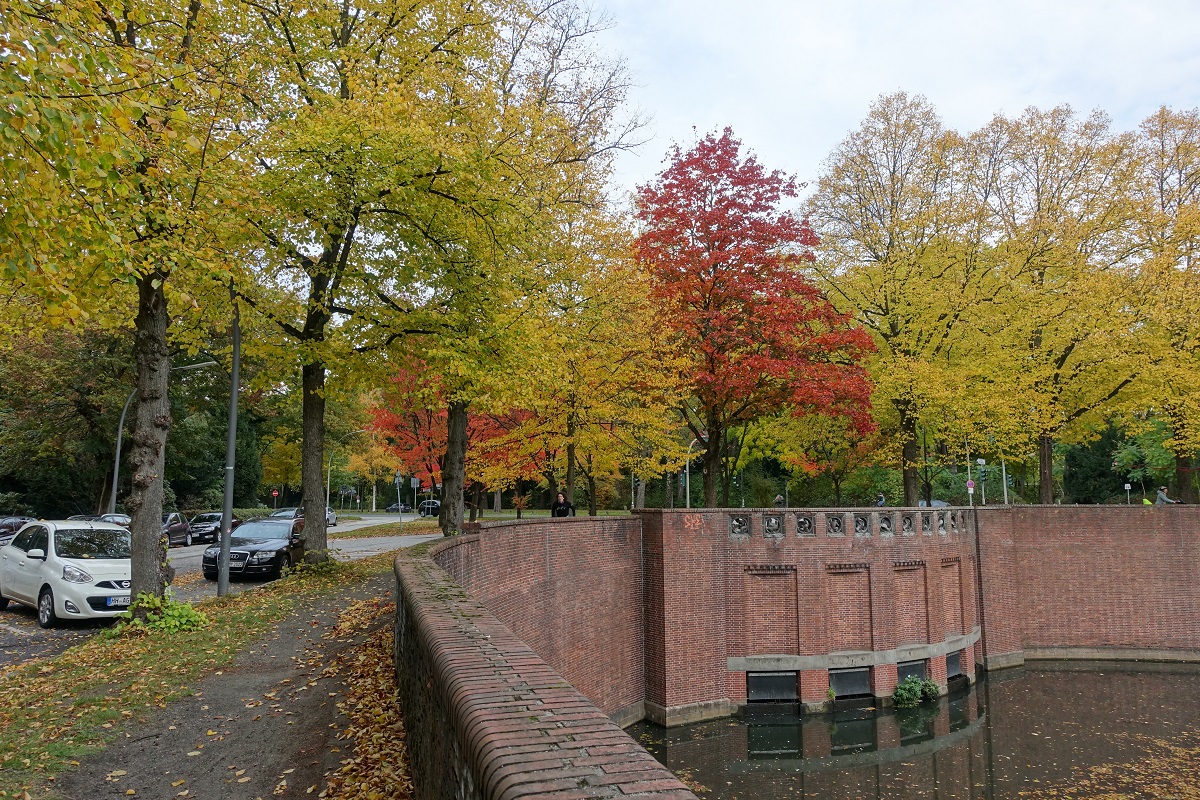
{"x":1127,"y":488}
{"x":275,"y":496}
{"x":971,"y":492}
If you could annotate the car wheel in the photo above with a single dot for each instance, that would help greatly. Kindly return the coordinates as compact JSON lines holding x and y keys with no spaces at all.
{"x":45,"y":609}
{"x":187,"y":539}
{"x":285,"y":562}
{"x":3,"y":602}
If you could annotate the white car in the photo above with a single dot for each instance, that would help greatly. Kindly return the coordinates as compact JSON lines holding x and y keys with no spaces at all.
{"x":67,"y":570}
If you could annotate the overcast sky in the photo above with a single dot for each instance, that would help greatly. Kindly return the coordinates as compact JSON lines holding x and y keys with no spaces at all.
{"x":793,"y":78}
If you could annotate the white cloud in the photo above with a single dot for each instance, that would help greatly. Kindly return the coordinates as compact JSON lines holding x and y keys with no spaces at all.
{"x":792,"y":78}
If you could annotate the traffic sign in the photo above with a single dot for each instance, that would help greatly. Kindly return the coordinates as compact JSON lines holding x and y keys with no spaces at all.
{"x":274,"y":493}
{"x":970,"y":484}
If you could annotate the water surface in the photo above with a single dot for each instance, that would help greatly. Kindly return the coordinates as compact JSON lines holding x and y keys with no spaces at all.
{"x":1060,"y":730}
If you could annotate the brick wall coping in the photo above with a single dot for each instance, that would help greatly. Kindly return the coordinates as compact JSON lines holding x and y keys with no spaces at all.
{"x":522,"y":730}
{"x":856,"y":658}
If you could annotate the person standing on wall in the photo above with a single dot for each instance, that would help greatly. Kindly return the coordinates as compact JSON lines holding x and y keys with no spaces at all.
{"x":562,"y":507}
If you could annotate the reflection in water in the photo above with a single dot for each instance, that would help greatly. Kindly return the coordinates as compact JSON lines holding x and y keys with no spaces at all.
{"x":1021,"y":731}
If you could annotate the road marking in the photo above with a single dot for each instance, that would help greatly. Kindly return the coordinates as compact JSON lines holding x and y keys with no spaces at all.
{"x":17,"y":631}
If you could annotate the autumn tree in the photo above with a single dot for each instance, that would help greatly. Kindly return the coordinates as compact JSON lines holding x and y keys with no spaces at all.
{"x":902,"y":250}
{"x":116,"y":165}
{"x":726,"y":263}
{"x":1168,"y":225}
{"x":1070,"y":336}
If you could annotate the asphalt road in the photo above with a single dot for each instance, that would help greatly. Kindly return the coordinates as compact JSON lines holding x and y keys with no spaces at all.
{"x":22,"y":640}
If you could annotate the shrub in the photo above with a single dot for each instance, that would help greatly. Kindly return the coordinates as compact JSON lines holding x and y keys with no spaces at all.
{"x":149,"y":613}
{"x":913,"y":691}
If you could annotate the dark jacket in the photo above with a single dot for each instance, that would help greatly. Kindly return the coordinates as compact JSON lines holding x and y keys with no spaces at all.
{"x":563,"y":509}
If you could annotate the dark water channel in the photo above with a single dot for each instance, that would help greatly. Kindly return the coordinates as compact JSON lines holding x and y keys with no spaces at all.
{"x":1029,"y":733}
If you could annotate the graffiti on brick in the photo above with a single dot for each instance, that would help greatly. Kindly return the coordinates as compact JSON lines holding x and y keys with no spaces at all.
{"x":739,"y":526}
{"x":693,"y":522}
{"x":773,"y":526}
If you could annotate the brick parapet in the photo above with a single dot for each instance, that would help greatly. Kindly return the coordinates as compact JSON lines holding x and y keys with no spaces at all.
{"x":487,"y":718}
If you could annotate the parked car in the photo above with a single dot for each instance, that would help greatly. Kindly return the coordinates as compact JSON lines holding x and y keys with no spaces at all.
{"x":934,"y":504}
{"x":176,"y":529}
{"x":429,"y":508}
{"x":68,"y":569}
{"x":207,"y":527}
{"x":117,"y":519}
{"x":84,"y":518}
{"x":330,"y":517}
{"x":397,"y":508}
{"x":259,"y":547}
{"x":9,"y":527}
{"x":288,"y":513}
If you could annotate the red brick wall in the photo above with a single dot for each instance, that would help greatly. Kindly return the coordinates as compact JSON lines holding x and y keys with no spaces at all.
{"x":1094,"y":579}
{"x":572,"y":590}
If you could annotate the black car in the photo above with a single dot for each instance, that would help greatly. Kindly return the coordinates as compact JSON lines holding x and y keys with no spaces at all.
{"x":207,"y":527}
{"x":263,"y":547}
{"x":398,"y":507}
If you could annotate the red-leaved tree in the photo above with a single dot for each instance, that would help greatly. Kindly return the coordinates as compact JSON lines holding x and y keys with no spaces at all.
{"x":726,"y":263}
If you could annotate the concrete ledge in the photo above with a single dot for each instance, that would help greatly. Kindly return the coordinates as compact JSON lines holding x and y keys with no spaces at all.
{"x":624,"y":717}
{"x":487,"y":719}
{"x":857,"y":658}
{"x":685,"y":715}
{"x":1004,"y":660}
{"x":1110,"y":654}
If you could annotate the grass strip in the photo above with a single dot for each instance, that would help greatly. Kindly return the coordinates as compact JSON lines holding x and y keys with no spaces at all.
{"x":421,"y":527}
{"x":56,"y":711}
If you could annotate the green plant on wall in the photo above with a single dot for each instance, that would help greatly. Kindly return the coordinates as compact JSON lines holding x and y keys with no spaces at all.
{"x":913,"y":691}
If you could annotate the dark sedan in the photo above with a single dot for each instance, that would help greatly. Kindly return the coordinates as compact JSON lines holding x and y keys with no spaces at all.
{"x":207,"y":527}
{"x":260,"y":547}
{"x":9,"y":527}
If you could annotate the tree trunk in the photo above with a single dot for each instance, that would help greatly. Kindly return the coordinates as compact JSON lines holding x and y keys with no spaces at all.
{"x":668,"y":491}
{"x":908,"y":457}
{"x":640,"y":496}
{"x":1183,"y":479}
{"x":712,"y":463}
{"x":476,"y":500}
{"x":496,"y":501}
{"x":570,"y":488}
{"x":454,"y":469}
{"x":151,"y":422}
{"x":1046,"y":469}
{"x":312,"y":462}
{"x":591,"y":482}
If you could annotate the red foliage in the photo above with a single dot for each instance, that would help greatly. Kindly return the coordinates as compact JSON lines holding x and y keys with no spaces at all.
{"x":416,"y":433}
{"x":726,"y":263}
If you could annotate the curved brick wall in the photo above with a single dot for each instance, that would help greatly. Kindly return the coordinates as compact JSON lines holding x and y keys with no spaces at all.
{"x":664,"y":614}
{"x":1091,"y":582}
{"x":804,"y":591}
{"x":487,"y":718}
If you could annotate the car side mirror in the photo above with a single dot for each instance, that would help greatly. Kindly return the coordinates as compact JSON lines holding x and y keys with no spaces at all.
{"x":37,"y":553}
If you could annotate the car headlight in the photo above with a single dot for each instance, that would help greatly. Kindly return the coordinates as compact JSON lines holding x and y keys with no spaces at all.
{"x":75,"y":575}
{"x":213,"y":551}
{"x":261,"y":556}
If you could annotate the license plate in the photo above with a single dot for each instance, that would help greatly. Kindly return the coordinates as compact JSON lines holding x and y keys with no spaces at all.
{"x":119,"y":601}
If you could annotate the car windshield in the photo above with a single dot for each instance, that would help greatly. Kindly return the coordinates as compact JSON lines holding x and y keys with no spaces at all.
{"x":263,"y":530}
{"x":284,"y":512}
{"x":83,"y":543}
{"x":206,"y":518}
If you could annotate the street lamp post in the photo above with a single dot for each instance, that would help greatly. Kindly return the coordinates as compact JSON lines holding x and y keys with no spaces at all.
{"x":112,"y":498}
{"x":332,"y":450}
{"x":982,"y":462}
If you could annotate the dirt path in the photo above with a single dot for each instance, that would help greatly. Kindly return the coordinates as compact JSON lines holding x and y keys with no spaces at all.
{"x":264,"y":727}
